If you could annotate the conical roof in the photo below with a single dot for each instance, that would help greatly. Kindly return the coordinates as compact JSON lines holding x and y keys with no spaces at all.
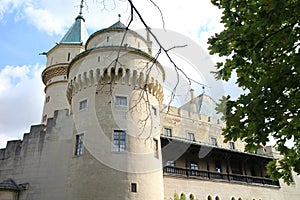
{"x":117,"y":25}
{"x":77,"y":34}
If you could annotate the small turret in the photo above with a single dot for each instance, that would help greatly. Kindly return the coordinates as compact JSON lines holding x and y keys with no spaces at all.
{"x":58,"y":59}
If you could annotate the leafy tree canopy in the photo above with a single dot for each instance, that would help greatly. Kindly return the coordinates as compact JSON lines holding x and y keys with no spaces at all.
{"x":261,"y":44}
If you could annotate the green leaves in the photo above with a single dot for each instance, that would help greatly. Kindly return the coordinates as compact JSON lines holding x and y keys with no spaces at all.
{"x":261,"y":45}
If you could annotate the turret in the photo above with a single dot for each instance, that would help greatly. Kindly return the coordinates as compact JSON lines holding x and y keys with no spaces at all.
{"x":58,"y":58}
{"x":115,"y":90}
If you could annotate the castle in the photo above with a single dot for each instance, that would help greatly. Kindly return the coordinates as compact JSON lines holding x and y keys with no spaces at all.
{"x":105,"y":133}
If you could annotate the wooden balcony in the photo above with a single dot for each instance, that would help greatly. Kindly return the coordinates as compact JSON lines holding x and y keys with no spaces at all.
{"x":208,"y":175}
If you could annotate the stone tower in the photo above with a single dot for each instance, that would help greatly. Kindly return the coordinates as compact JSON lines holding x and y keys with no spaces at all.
{"x":115,"y":92}
{"x":55,"y":74}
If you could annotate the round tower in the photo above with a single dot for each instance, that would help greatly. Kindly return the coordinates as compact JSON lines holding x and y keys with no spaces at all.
{"x":55,"y":74}
{"x":115,"y":91}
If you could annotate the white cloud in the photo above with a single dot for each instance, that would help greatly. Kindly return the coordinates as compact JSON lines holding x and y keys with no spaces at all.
{"x":9,"y":6}
{"x":44,"y":20}
{"x":21,"y":99}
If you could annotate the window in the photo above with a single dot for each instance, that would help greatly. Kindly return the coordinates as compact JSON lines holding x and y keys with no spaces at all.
{"x":119,"y":141}
{"x":154,"y":111}
{"x":155,"y":147}
{"x":107,"y":39}
{"x":121,"y":101}
{"x":168,"y":132}
{"x":209,"y":198}
{"x":47,"y":99}
{"x":213,"y":141}
{"x":83,"y":104}
{"x":79,"y":144}
{"x":44,"y":118}
{"x":218,"y":166}
{"x":133,"y":187}
{"x":69,"y":55}
{"x":231,"y":145}
{"x":190,"y":136}
{"x":98,"y":58}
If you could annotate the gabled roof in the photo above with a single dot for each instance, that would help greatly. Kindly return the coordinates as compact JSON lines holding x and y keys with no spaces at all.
{"x":77,"y":34}
{"x":205,"y":105}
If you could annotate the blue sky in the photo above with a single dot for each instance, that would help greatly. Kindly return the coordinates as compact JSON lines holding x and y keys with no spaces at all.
{"x":29,"y":27}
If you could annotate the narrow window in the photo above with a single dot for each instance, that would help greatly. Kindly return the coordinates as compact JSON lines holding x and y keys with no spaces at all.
{"x":213,"y":141}
{"x":83,"y":104}
{"x":191,"y":136}
{"x":231,"y":145}
{"x":154,"y":111}
{"x":168,"y":132}
{"x":98,"y":58}
{"x":69,"y":55}
{"x":79,"y":144}
{"x":155,"y":147}
{"x":133,"y":187}
{"x":121,"y":101}
{"x":47,"y":99}
{"x":107,"y":39}
{"x":208,"y":119}
{"x":44,"y":118}
{"x":119,"y":143}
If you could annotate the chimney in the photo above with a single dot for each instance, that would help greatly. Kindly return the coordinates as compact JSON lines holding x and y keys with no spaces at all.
{"x":192,"y":102}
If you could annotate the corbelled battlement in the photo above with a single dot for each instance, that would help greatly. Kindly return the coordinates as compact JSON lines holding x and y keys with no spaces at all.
{"x":119,"y":75}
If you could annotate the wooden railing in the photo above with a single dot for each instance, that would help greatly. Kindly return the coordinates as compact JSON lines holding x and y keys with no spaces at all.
{"x":220,"y":176}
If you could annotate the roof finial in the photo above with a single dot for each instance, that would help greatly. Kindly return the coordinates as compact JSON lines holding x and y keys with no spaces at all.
{"x":119,"y":15}
{"x":81,"y":7}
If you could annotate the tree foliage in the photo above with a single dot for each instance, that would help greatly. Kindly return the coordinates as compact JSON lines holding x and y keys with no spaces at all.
{"x":260,"y":42}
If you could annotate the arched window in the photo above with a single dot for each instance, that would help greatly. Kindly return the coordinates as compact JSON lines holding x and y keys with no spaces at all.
{"x":240,"y":198}
{"x":217,"y":198}
{"x":209,"y":197}
{"x":232,"y":198}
